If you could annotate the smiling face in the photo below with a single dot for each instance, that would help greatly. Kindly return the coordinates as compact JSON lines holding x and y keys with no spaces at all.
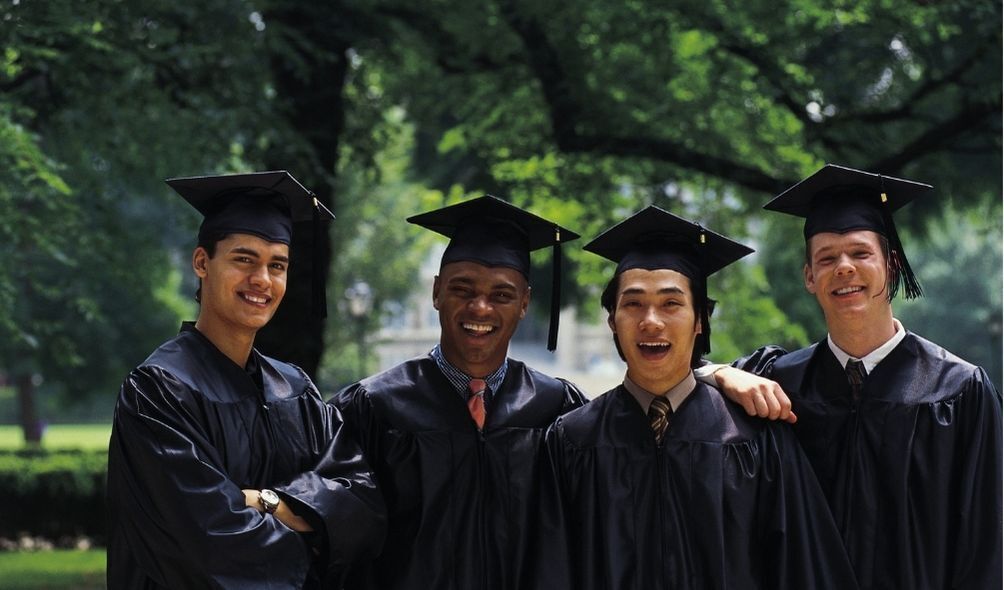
{"x":655,"y":324}
{"x":479,"y":309}
{"x":242,"y":283}
{"x":848,"y":274}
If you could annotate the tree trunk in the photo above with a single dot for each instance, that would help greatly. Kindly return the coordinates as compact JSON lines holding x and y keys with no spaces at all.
{"x":27,"y":412}
{"x":312,"y":103}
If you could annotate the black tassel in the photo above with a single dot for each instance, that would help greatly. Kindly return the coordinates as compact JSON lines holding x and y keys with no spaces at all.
{"x":702,"y":294}
{"x":552,"y":332}
{"x":319,"y":307}
{"x":900,"y":271}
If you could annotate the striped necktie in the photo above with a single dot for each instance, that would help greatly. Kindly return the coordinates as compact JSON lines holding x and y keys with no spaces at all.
{"x":658,"y":416}
{"x":476,"y":401}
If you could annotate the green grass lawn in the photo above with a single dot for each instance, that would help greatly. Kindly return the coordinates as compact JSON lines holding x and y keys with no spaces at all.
{"x":52,"y":570}
{"x":60,"y":436}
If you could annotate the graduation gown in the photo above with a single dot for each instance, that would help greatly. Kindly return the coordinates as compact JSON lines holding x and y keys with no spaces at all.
{"x":726,"y":501}
{"x":191,"y":429}
{"x":912,"y":471}
{"x":458,"y":499}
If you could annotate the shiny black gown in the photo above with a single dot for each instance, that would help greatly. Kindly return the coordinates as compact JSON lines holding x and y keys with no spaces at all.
{"x":726,"y":501}
{"x":459,"y":500}
{"x":191,"y":429}
{"x":912,"y":472}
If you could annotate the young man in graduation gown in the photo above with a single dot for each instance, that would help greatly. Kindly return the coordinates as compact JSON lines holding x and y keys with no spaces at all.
{"x":453,"y":436}
{"x":207,"y":430}
{"x":904,"y":436}
{"x":661,"y":482}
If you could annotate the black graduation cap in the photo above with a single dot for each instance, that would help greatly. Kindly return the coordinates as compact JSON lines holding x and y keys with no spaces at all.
{"x":492,"y":232}
{"x":839,"y":199}
{"x":654,"y":238}
{"x":264,"y":204}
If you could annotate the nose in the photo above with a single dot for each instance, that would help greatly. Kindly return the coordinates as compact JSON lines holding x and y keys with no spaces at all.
{"x":651,"y":320}
{"x":479,"y":305}
{"x":260,"y":278}
{"x":844,"y":265}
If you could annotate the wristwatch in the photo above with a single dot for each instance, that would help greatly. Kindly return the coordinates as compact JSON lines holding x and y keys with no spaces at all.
{"x":269,"y":500}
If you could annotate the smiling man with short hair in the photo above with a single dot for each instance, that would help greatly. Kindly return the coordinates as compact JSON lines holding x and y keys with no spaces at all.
{"x":661,"y":483}
{"x":454,"y":435}
{"x":904,"y":436}
{"x":213,"y":442}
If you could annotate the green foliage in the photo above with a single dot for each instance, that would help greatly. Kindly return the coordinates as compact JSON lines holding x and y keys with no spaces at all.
{"x":53,"y":494}
{"x":582,"y":110}
{"x":960,"y":271}
{"x":101,"y":102}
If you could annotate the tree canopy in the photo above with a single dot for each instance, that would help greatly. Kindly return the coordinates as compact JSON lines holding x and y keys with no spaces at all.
{"x":582,"y":110}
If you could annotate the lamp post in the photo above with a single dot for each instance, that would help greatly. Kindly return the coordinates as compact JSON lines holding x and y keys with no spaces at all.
{"x":359,"y":297}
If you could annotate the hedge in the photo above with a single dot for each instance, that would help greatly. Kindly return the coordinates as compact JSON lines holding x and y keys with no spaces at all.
{"x":53,"y":494}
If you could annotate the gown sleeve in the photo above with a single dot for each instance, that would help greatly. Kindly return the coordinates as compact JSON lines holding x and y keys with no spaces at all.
{"x":802,"y":542}
{"x":977,"y":545}
{"x":342,"y":493}
{"x":760,"y":361}
{"x":188,"y":525}
{"x":550,"y":553}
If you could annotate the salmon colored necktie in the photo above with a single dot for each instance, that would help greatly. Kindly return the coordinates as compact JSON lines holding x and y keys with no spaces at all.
{"x":476,"y":402}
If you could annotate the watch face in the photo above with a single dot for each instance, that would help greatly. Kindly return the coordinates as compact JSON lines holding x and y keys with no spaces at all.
{"x":270,"y":499}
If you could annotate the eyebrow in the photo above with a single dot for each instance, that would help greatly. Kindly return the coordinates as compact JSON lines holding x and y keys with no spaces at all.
{"x":663,"y":291}
{"x":256,"y":254}
{"x":849,"y":246}
{"x":470,"y":281}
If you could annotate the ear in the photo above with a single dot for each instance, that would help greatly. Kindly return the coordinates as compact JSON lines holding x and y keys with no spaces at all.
{"x":810,"y":281}
{"x":200,"y":262}
{"x":610,"y":322}
{"x":435,"y":293}
{"x":698,"y":326}
{"x":524,"y":303}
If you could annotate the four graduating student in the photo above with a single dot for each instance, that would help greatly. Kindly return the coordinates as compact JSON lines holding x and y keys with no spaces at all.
{"x":207,"y":430}
{"x":661,"y":482}
{"x":226,"y":470}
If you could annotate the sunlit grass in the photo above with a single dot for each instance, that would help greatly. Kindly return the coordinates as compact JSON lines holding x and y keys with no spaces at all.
{"x":60,"y":436}
{"x":51,"y":570}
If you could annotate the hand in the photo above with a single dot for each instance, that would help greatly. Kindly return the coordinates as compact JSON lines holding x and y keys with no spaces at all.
{"x":283,"y":513}
{"x":757,"y":395}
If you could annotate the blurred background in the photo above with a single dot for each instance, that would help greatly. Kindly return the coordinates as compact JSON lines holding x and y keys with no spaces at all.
{"x":582,"y":111}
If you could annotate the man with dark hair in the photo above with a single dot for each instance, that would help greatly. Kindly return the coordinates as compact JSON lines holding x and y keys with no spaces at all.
{"x":208,"y":433}
{"x":661,"y":482}
{"x":453,"y":436}
{"x":904,"y":436}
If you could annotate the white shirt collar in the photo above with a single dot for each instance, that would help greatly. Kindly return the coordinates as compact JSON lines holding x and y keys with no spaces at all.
{"x":874,"y":357}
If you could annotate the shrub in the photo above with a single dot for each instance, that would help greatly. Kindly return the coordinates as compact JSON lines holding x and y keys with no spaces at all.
{"x":53,"y":494}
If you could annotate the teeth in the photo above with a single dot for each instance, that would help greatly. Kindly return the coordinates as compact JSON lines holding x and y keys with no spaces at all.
{"x":479,"y":328}
{"x":654,"y":344}
{"x":256,"y":298}
{"x":846,"y":290}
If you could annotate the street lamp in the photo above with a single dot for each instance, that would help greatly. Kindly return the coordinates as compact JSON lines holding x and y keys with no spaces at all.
{"x":359,"y":297}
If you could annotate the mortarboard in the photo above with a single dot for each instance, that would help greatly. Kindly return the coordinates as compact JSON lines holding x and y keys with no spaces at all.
{"x":264,"y":204}
{"x":839,"y":199}
{"x":654,"y":238}
{"x":492,"y":232}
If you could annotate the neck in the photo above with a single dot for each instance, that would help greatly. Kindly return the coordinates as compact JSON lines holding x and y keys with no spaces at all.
{"x":236,"y":345}
{"x":658,"y":386}
{"x":859,"y":339}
